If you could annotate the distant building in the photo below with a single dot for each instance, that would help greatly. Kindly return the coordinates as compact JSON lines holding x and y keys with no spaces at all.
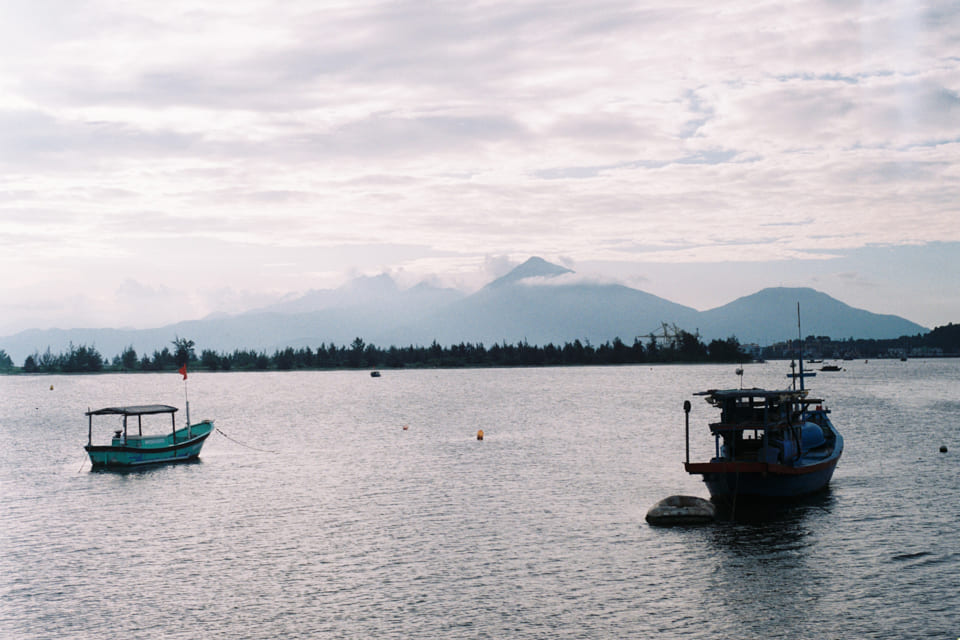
{"x":753,"y":350}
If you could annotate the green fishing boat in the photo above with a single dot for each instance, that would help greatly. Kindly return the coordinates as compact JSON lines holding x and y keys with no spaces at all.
{"x":129,"y":447}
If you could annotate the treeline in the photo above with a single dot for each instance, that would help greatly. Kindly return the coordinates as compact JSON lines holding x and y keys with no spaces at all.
{"x":684,"y":347}
{"x":84,"y":359}
{"x":941,"y":341}
{"x":681,"y":347}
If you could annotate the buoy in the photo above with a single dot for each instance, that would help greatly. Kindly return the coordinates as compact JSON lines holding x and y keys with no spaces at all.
{"x":405,"y":427}
{"x":680,"y":510}
{"x":943,"y":449}
{"x":51,"y":387}
{"x":480,"y":434}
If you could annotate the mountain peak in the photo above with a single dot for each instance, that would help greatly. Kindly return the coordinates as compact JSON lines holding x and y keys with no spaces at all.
{"x":533,"y":268}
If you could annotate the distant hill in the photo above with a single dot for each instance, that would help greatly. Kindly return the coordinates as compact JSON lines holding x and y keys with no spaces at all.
{"x":537,"y":301}
{"x":369,"y":293}
{"x":526,"y":305}
{"x":770,"y":316}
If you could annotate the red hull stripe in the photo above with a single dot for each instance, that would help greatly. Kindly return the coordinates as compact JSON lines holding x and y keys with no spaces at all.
{"x":756,"y":467}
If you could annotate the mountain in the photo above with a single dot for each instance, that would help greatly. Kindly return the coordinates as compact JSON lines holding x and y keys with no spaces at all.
{"x":770,"y":316}
{"x":369,"y":294}
{"x":537,"y":301}
{"x":526,"y":305}
{"x":532,"y":268}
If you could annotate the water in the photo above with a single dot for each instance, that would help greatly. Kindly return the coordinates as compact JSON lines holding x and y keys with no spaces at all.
{"x":354,"y":528}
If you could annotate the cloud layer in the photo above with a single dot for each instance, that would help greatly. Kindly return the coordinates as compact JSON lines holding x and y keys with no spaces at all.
{"x":265,"y":146}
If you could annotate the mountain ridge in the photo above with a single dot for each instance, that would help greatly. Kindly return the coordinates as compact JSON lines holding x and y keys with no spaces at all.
{"x":535,"y":302}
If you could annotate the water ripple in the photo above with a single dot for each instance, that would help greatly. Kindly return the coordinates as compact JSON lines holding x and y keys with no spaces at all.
{"x":357,"y":528}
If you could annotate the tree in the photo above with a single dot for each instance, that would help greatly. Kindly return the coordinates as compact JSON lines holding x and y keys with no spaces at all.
{"x":690,"y":348}
{"x":163,"y":360}
{"x":82,"y":359}
{"x":284,"y":359}
{"x":726,"y":350}
{"x":48,"y":362}
{"x":209,"y":360}
{"x":183,"y":352}
{"x":128,"y":359}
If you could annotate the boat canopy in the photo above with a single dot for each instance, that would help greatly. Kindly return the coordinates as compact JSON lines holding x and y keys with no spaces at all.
{"x":136,"y":410}
{"x":715,"y":396}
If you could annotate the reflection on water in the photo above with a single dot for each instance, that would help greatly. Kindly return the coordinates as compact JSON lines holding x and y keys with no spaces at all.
{"x":145,"y":469}
{"x":762,"y":555}
{"x":785,"y":513}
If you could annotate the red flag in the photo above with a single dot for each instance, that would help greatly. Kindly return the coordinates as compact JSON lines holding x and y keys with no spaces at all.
{"x":183,"y":371}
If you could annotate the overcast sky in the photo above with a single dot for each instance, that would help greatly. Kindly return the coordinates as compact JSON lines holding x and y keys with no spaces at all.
{"x":160,"y":161}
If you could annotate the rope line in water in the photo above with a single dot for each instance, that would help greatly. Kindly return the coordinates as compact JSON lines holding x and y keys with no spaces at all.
{"x":241,"y":443}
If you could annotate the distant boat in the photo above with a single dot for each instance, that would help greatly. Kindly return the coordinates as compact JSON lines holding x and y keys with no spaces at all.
{"x":374,"y":374}
{"x":831,"y":367}
{"x":803,"y":374}
{"x":127,"y":449}
{"x":769,"y":444}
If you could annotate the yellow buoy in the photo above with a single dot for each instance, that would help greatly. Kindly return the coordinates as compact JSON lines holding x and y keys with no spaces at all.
{"x":480,"y":434}
{"x":51,"y":387}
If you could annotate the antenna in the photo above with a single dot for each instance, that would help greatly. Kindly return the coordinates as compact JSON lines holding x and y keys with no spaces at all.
{"x":800,"y":346}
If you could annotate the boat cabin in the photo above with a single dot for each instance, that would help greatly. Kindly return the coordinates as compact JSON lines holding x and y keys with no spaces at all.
{"x":758,"y":425}
{"x":123,"y":436}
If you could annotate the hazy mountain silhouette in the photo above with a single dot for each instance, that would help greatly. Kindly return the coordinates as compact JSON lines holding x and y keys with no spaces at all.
{"x":770,"y":315}
{"x":534,"y":303}
{"x":537,"y":301}
{"x":533,"y":268}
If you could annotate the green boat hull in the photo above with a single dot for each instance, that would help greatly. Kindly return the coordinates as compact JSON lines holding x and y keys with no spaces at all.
{"x":135,"y":451}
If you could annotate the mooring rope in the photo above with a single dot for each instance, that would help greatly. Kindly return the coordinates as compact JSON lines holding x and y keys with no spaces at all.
{"x":243,"y":444}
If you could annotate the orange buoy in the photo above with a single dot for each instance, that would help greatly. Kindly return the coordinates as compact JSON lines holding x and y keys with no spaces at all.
{"x":480,"y":434}
{"x":405,"y":427}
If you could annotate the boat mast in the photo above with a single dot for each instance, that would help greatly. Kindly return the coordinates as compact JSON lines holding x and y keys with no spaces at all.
{"x":800,"y":347}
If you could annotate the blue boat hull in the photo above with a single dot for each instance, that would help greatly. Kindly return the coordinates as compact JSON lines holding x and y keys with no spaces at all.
{"x":725,"y":485}
{"x":138,"y":451}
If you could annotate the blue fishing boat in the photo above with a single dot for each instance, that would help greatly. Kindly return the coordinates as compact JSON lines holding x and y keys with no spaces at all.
{"x":768,"y":443}
{"x":129,"y":449}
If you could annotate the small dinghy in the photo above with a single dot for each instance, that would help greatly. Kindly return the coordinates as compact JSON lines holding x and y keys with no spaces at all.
{"x":681,"y":510}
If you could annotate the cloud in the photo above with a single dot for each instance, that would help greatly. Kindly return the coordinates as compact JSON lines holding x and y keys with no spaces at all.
{"x":478,"y":133}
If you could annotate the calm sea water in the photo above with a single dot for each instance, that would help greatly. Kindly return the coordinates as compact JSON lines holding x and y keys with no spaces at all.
{"x":348,"y":526}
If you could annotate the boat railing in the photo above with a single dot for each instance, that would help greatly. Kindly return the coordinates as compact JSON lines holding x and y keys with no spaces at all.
{"x":716,"y":427}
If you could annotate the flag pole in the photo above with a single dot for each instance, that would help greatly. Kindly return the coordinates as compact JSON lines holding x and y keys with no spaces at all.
{"x":186,"y":398}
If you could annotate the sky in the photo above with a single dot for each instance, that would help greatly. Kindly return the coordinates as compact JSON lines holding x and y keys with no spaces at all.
{"x":164,"y":161}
